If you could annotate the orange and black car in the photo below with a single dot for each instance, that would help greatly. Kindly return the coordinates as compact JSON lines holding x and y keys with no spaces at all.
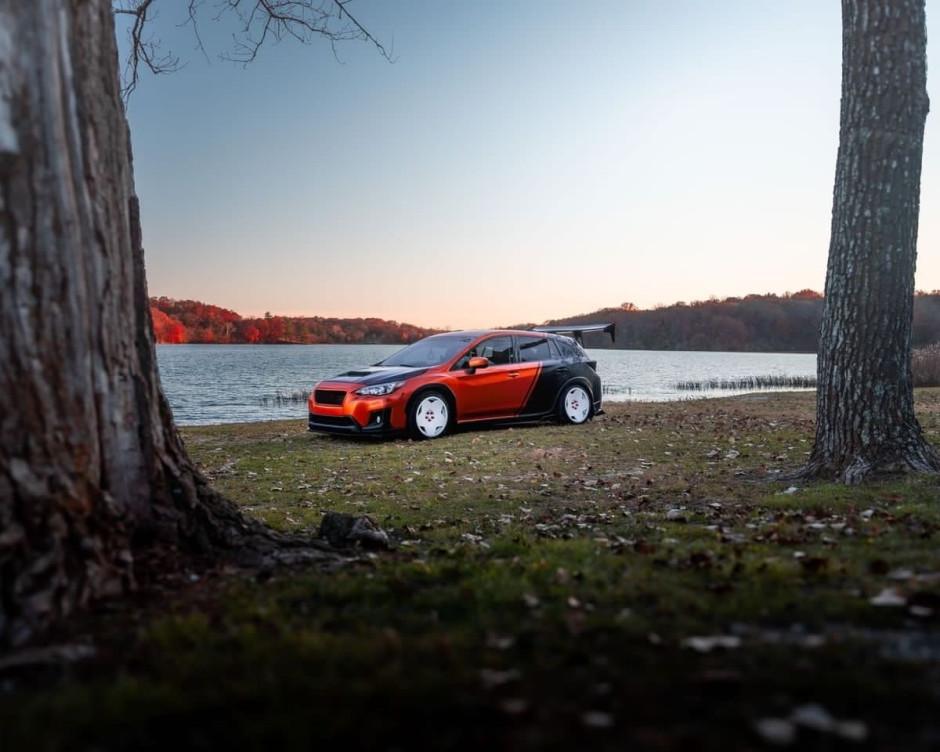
{"x":462,"y":378}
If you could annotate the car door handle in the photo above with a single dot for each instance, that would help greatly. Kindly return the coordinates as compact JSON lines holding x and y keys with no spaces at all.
{"x":513,"y":375}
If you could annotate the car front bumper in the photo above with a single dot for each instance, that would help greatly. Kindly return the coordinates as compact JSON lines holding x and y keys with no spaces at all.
{"x":377,"y":423}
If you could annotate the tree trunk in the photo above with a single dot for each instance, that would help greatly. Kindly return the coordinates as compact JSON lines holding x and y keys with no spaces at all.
{"x":92,"y":468}
{"x":865,"y":403}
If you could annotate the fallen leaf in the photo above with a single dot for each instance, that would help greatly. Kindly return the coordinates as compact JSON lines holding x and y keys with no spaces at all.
{"x":776,"y":731}
{"x":923,"y":604}
{"x":500,"y":642}
{"x":854,"y":731}
{"x":707,"y":644}
{"x":514,"y":706}
{"x":813,"y":716}
{"x":597,"y":719}
{"x":888,"y":597}
{"x":491,"y":678}
{"x":642,"y":547}
{"x":530,"y":600}
{"x":901,"y":574}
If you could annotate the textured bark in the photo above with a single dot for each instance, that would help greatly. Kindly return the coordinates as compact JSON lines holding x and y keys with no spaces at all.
{"x":92,"y":468}
{"x":865,"y":403}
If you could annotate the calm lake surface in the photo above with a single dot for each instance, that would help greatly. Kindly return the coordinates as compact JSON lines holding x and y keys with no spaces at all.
{"x":248,"y":383}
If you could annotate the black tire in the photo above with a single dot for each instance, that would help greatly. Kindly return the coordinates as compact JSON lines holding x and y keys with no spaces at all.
{"x":575,"y":405}
{"x":430,"y":415}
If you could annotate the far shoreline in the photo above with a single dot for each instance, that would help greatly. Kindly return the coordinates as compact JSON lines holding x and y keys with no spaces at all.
{"x":404,"y":344}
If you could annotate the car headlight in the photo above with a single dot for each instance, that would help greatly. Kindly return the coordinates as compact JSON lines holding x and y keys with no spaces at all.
{"x":379,"y":390}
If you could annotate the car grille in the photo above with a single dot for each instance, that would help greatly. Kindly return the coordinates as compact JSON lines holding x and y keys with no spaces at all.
{"x":329,"y":396}
{"x":331,"y":420}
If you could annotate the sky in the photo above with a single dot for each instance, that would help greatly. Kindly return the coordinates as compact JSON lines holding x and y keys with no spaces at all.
{"x":516,"y":162}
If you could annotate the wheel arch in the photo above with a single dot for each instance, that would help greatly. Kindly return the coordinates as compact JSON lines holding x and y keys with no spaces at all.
{"x":434,"y":387}
{"x":584,"y":384}
{"x":579,"y":381}
{"x":447,"y":393}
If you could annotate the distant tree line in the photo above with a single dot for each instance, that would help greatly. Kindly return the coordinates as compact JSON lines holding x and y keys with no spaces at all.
{"x":190,"y":321}
{"x":755,"y":323}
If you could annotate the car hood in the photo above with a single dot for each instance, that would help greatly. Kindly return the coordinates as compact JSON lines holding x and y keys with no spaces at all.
{"x":378,"y":375}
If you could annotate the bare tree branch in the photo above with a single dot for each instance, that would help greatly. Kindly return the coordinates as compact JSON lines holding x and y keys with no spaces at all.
{"x":146,"y":50}
{"x":259,"y":22}
{"x":192,"y":21}
{"x":365,"y":34}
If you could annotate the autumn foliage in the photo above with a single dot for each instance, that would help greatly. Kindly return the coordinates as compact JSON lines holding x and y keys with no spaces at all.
{"x":190,"y":321}
{"x":754,"y":323}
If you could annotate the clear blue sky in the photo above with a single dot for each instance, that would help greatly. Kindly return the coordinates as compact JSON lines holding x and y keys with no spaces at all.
{"x":518,"y":161}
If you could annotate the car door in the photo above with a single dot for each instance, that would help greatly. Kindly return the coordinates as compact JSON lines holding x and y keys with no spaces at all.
{"x":497,"y":391}
{"x":548,"y":373}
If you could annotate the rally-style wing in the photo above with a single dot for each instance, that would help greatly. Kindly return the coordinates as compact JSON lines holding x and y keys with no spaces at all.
{"x":577,"y":330}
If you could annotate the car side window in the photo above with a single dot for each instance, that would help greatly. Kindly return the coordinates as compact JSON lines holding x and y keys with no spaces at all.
{"x":498,"y":350}
{"x":567,"y":346}
{"x":532,"y":349}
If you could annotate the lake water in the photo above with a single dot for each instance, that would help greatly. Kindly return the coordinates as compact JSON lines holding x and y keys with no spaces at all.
{"x":248,"y":383}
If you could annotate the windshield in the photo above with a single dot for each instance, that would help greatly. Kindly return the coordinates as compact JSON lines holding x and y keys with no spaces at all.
{"x":429,"y":352}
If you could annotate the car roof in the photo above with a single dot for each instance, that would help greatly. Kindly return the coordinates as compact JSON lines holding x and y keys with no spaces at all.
{"x":475,"y":333}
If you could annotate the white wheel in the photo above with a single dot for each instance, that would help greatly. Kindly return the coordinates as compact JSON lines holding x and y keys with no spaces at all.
{"x":575,"y":405}
{"x":430,"y":416}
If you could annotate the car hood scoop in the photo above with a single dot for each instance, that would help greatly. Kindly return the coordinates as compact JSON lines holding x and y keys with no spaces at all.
{"x":379,"y":374}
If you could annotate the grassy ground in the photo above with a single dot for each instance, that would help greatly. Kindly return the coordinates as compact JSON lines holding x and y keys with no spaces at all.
{"x":646,"y":581}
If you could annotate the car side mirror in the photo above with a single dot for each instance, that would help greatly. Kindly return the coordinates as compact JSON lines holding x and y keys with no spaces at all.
{"x":477,"y":362}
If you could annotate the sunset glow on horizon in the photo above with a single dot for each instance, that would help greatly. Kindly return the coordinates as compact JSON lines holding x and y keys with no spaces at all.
{"x":515,"y":163}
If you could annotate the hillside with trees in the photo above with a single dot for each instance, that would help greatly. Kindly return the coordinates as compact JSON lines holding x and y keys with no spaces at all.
{"x":190,"y":321}
{"x":754,"y":323}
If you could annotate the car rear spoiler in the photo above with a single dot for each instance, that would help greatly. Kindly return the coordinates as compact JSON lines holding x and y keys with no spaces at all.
{"x":577,"y":330}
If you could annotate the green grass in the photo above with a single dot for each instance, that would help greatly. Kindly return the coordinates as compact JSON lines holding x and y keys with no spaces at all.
{"x":541,"y":593}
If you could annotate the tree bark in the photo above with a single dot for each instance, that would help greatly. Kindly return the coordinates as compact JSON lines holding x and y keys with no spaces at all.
{"x":865,"y":419}
{"x":92,"y":468}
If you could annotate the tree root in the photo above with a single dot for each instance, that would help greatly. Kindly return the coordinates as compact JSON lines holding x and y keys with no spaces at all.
{"x":197,"y":528}
{"x":851,"y":471}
